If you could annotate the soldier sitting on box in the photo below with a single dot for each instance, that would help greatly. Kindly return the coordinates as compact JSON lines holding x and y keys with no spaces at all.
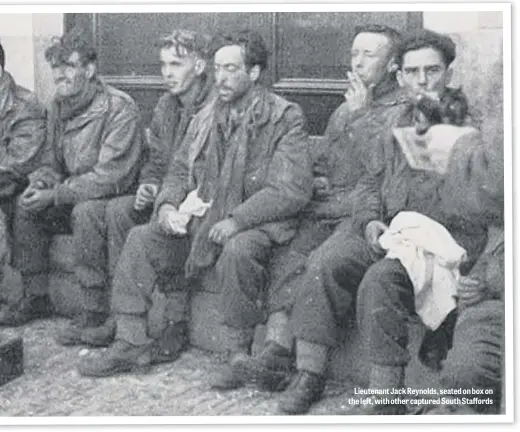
{"x":229,"y":199}
{"x":93,"y":151}
{"x":184,"y":56}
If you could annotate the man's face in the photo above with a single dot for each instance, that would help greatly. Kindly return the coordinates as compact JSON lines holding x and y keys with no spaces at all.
{"x":370,"y":55}
{"x":179,"y":73}
{"x":71,"y":76}
{"x":423,"y":71}
{"x":232,"y":79}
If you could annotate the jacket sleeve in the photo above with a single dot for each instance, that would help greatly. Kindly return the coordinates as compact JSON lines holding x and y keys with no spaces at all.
{"x":118,"y":162}
{"x":288,"y":185}
{"x":366,"y":200}
{"x":475,"y":179}
{"x":156,"y":155}
{"x":22,"y":146}
{"x":176,"y":182}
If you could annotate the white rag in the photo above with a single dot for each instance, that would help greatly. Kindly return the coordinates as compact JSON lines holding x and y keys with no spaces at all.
{"x":191,"y":206}
{"x":431,"y":258}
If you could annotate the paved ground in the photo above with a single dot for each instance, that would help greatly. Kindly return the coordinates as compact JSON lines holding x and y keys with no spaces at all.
{"x":51,"y":386}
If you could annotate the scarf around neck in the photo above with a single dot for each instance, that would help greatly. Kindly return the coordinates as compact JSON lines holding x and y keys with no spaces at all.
{"x":223,"y":180}
{"x":63,"y":110}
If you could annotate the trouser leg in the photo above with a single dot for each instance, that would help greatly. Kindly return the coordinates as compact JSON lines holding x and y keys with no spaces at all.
{"x":475,"y":360}
{"x":32,"y":234}
{"x":90,"y":249}
{"x":121,"y":217}
{"x":328,"y":286}
{"x":241,"y":274}
{"x":149,"y":257}
{"x":385,"y":306}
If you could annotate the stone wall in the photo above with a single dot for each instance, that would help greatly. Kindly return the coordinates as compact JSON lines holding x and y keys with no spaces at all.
{"x":478,"y":36}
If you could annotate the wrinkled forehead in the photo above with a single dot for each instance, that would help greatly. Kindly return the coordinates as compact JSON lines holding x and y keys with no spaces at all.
{"x":230,"y":54}
{"x":423,"y":58}
{"x":374,"y":42}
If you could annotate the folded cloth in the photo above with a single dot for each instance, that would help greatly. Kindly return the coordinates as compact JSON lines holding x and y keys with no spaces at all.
{"x":191,"y":206}
{"x":431,"y":258}
{"x":430,"y":151}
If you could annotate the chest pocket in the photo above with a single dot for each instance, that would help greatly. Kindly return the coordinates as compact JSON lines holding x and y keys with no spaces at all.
{"x":81,"y":145}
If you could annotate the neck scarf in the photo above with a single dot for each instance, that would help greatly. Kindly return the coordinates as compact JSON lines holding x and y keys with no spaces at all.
{"x":223,"y":182}
{"x":65,"y":109}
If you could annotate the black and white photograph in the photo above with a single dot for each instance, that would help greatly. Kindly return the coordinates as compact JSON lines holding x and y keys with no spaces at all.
{"x":233,"y":213}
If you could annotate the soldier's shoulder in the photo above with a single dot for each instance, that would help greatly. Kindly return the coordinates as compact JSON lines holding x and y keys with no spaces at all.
{"x":282,"y":109}
{"x":120,"y":100}
{"x":27,"y":98}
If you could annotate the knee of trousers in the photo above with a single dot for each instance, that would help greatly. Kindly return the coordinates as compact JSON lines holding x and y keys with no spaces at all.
{"x":119,"y":210}
{"x":88,"y":214}
{"x":372,"y":296}
{"x":324,"y":261}
{"x":238,"y":249}
{"x":139,"y":236}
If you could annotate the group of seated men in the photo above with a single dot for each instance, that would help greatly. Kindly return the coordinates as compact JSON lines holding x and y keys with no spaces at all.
{"x":225,"y":182}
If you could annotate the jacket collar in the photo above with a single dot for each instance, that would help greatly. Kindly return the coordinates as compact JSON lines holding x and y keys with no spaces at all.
{"x":197,"y":95}
{"x":97,"y":108}
{"x":388,"y":92}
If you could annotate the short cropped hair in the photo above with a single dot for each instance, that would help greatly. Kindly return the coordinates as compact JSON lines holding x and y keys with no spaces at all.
{"x":2,"y":56}
{"x":73,"y":41}
{"x":186,"y":42}
{"x":255,"y":50}
{"x":427,"y":39}
{"x":392,"y":34}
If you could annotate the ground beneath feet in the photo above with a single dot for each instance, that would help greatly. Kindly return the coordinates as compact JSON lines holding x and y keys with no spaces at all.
{"x":51,"y":385}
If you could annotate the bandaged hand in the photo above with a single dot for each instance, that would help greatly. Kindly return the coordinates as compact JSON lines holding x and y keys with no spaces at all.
{"x":172,"y":221}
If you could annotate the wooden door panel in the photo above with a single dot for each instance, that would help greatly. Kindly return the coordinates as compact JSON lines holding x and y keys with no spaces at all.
{"x":309,"y":51}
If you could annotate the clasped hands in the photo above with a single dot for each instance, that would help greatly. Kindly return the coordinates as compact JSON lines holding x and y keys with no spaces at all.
{"x":37,"y":197}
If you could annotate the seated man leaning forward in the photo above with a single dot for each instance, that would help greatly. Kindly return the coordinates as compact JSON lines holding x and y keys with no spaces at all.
{"x":22,"y":138}
{"x":106,"y":223}
{"x":93,"y":151}
{"x":343,"y":163}
{"x":420,"y":275}
{"x":230,"y":197}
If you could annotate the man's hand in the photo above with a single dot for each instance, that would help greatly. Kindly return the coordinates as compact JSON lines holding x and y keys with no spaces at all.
{"x":145,"y":196}
{"x":172,"y":221}
{"x":470,"y":291}
{"x":222,"y":231}
{"x":358,"y":96}
{"x":373,"y":231}
{"x":37,"y":199}
{"x":321,"y":187}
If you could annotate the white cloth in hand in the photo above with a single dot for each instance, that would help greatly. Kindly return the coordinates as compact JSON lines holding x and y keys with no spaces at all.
{"x":431,"y":258}
{"x":191,"y":206}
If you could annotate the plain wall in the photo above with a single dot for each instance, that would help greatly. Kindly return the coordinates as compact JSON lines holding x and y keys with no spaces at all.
{"x":478,"y":36}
